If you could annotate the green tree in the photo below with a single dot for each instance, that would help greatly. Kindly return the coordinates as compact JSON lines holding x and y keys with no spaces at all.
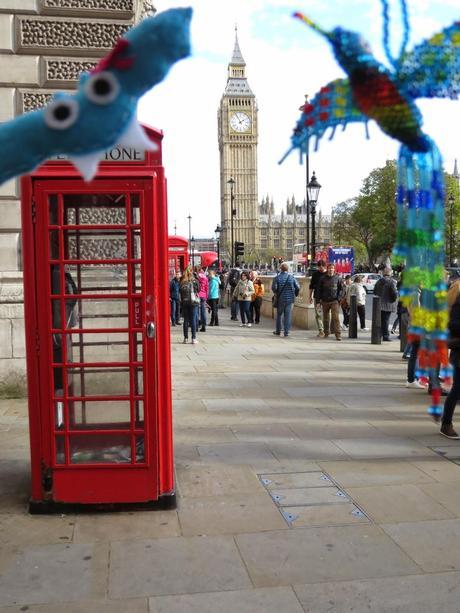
{"x":368,"y":222}
{"x":452,"y":233}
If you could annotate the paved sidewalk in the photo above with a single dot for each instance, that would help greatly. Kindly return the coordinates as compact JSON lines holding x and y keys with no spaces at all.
{"x":309,"y":478}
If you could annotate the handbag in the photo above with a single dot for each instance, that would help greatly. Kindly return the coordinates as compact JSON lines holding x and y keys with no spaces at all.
{"x":194,"y":297}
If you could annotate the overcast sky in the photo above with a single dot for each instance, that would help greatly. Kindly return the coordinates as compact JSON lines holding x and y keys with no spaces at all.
{"x":284,"y":61}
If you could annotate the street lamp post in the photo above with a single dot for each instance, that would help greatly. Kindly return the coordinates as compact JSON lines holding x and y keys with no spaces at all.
{"x":189,"y":237}
{"x":217,"y":232}
{"x":307,"y":202}
{"x":192,"y":245}
{"x":451,"y":228}
{"x":313,"y":188}
{"x":231,"y":182}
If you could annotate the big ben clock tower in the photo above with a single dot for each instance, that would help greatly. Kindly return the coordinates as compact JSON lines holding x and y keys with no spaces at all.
{"x":238,"y":135}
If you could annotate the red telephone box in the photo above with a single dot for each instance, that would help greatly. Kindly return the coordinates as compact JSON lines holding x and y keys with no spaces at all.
{"x":177,"y":254}
{"x":96,"y":301}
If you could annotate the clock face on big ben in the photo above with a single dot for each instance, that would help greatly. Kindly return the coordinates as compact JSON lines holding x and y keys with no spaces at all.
{"x":240,"y":122}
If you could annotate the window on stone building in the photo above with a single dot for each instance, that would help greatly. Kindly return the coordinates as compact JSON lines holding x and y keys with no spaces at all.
{"x":276,"y":243}
{"x":276,"y":231}
{"x":264,"y":244}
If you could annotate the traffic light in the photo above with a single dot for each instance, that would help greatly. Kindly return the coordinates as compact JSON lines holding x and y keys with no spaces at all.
{"x":239,"y":248}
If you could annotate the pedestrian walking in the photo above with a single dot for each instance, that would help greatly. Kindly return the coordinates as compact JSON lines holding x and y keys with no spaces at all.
{"x":213,"y":297}
{"x":243,"y":294}
{"x":174,"y":298}
{"x":256,"y":302}
{"x":316,"y":276}
{"x":345,"y":303}
{"x":386,"y":289}
{"x":189,"y":288}
{"x":453,"y":300}
{"x":203,"y":294}
{"x":285,"y":288}
{"x":357,"y":289}
{"x":330,"y":292}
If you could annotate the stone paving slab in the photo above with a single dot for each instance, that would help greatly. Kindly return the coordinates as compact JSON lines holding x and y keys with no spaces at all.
{"x":376,"y":472}
{"x":273,"y":600}
{"x":433,"y":545}
{"x":133,"y":605}
{"x":53,"y":573}
{"x":385,"y":447}
{"x":230,"y":515}
{"x":295,"y":480}
{"x":322,"y":554}
{"x":237,"y":453}
{"x":308,"y":495}
{"x":398,"y":503}
{"x":218,"y":480}
{"x":25,"y":530}
{"x":125,"y":526}
{"x":410,"y":594}
{"x":176,"y":566}
{"x":324,"y":515}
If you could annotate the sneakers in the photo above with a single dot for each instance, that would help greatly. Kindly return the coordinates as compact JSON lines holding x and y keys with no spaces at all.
{"x":364,"y":329}
{"x":448,"y":430}
{"x":320,"y":335}
{"x":276,"y":333}
{"x":415,"y":384}
{"x":185,"y":341}
{"x":243,"y":325}
{"x":249,"y":326}
{"x":194,"y":341}
{"x":338,"y":338}
{"x":202,"y":329}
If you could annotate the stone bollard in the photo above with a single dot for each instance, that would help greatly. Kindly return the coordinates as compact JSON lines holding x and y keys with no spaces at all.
{"x":353,"y":321}
{"x":376,"y":335}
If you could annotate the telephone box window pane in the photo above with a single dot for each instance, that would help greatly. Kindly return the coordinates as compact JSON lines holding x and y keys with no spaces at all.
{"x":138,"y":347}
{"x":59,"y":414}
{"x":103,"y":347}
{"x":96,"y":244}
{"x":140,"y":449}
{"x":138,"y":382}
{"x":98,"y":278}
{"x":95,"y":209}
{"x":135,"y":210}
{"x":60,"y":450}
{"x":53,"y":209}
{"x":96,"y":313}
{"x":136,"y":278}
{"x":100,"y":415}
{"x":136,"y":245}
{"x":54,"y":237}
{"x":100,"y":381}
{"x":139,"y":414}
{"x":100,"y":448}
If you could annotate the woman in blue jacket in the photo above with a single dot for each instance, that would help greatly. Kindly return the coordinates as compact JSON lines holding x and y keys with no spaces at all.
{"x":213,"y":297}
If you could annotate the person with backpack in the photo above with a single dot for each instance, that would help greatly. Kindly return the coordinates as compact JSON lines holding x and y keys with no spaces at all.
{"x":387,"y":290}
{"x":232,"y":281}
{"x":357,"y":289}
{"x":174,"y":297}
{"x":285,"y":288}
{"x":189,"y":288}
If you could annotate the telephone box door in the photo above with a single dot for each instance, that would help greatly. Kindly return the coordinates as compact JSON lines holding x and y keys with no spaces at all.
{"x":96,"y":323}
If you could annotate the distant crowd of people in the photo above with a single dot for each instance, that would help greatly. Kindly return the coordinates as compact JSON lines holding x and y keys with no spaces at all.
{"x":197,"y":293}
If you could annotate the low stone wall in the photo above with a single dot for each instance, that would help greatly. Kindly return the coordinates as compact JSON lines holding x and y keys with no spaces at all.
{"x":303,"y":313}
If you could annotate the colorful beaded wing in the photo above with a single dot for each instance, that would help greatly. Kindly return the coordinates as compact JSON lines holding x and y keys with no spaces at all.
{"x":372,"y":91}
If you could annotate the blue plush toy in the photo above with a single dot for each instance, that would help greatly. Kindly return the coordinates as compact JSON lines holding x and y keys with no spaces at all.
{"x":103,"y":111}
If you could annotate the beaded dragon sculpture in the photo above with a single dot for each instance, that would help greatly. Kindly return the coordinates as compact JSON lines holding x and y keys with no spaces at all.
{"x":372,"y":91}
{"x":103,"y":111}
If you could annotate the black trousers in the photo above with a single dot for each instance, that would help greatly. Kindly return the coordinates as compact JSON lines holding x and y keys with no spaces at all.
{"x":213,"y":303}
{"x":385,"y":322}
{"x":254,"y":313}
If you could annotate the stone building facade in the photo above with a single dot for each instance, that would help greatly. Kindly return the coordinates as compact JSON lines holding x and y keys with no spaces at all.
{"x":44,"y":45}
{"x":264,"y":232}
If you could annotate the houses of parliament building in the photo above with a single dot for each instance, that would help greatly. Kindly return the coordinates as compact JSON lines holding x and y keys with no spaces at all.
{"x":264,"y":232}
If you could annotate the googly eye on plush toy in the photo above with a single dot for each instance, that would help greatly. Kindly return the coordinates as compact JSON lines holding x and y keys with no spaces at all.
{"x":102,"y":87}
{"x":61,"y":114}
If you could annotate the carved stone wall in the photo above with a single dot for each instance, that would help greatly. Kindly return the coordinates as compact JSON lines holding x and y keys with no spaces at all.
{"x":63,"y":72}
{"x":104,"y":8}
{"x":41,"y":34}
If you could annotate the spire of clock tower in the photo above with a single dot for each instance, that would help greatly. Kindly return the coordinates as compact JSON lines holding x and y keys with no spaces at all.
{"x":237,"y":82}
